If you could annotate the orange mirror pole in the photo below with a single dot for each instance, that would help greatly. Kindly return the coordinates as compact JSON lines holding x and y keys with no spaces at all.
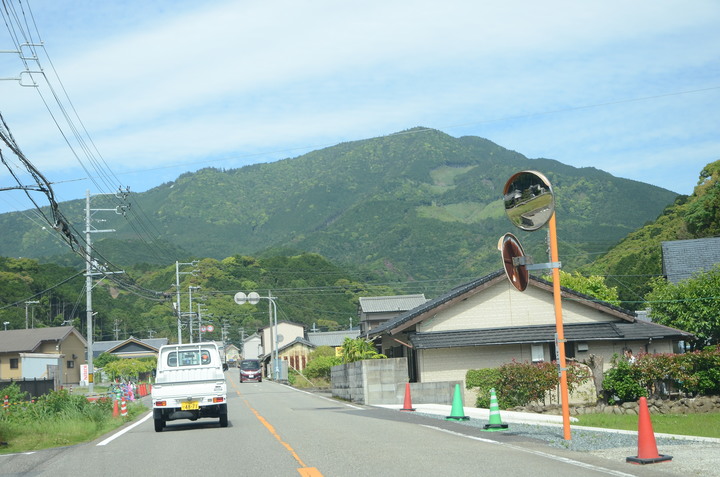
{"x":564,"y":395}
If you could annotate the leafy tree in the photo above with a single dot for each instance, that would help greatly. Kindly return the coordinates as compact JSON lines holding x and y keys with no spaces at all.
{"x":129,"y":369}
{"x":358,"y":349}
{"x":104,"y":359}
{"x":592,"y":285}
{"x":691,"y":305}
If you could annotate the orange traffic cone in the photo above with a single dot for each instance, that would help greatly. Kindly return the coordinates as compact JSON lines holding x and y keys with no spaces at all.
{"x":408,"y":400}
{"x":116,"y":412}
{"x":647,"y":447}
{"x":123,"y":408}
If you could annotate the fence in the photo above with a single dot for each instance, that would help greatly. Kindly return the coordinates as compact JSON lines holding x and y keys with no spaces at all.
{"x":34,"y":387}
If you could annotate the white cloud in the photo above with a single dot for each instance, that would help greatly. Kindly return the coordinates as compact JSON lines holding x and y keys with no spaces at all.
{"x":162,"y":83}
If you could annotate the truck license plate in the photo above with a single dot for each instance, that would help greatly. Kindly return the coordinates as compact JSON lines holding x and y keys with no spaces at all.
{"x":189,"y":406}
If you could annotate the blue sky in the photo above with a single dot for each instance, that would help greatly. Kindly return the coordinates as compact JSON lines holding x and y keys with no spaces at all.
{"x":166,"y":87}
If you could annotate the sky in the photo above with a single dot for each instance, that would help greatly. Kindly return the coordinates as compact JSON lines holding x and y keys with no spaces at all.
{"x":154,"y":89}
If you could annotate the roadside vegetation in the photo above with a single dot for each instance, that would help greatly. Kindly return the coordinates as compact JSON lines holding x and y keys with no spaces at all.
{"x":701,"y":425}
{"x":56,"y":419}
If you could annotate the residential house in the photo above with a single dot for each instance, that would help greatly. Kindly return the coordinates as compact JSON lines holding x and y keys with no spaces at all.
{"x":252,"y":347}
{"x":42,"y":353}
{"x":232,"y":354}
{"x":376,"y":310}
{"x":488,"y":322}
{"x":272,"y":339}
{"x":130,"y":348}
{"x":296,"y":353}
{"x":682,"y":259}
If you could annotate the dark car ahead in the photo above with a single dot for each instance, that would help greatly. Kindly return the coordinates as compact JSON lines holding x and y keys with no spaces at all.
{"x":250,"y":370}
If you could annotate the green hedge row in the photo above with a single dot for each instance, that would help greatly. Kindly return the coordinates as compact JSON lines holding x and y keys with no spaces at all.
{"x":518,"y":384}
{"x":696,"y":374}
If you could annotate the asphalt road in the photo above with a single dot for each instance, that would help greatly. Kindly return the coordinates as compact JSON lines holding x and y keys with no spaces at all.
{"x":276,"y":430}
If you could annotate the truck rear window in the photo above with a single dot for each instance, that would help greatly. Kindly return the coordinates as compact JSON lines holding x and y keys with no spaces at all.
{"x":188,"y":358}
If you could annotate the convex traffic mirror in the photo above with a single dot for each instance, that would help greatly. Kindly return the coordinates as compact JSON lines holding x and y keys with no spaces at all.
{"x":529,"y":200}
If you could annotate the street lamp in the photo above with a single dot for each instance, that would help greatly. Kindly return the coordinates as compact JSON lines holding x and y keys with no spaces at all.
{"x":254,"y":298}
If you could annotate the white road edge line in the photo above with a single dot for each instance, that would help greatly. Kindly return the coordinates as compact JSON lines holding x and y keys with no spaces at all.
{"x":118,"y":434}
{"x":539,"y":453}
{"x":328,"y":399}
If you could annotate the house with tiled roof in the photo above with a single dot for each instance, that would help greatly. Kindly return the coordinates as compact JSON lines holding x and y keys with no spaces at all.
{"x":40,"y":352}
{"x":130,"y":348}
{"x":376,"y":310}
{"x":487,"y":322}
{"x":682,"y":259}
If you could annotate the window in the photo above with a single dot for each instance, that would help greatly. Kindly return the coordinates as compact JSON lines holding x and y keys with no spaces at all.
{"x":189,"y":358}
{"x":14,"y":363}
{"x":537,"y":352}
{"x":71,"y":364}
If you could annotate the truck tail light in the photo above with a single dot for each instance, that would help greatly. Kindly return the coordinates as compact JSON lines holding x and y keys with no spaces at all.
{"x":161,"y":403}
{"x":218,"y":399}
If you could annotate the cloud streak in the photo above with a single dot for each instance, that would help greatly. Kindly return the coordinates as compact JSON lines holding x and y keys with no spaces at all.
{"x":161,"y":84}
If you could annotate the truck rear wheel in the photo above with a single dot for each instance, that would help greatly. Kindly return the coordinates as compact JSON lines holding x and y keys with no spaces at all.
{"x":159,"y":425}
{"x":223,"y":420}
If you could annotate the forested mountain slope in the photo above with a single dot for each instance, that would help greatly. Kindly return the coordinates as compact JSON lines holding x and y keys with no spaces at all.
{"x":415,"y":205}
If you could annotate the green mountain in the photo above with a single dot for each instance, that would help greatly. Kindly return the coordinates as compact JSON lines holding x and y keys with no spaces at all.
{"x":415,"y":205}
{"x":631,"y":264}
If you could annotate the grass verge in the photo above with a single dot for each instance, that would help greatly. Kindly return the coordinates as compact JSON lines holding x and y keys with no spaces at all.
{"x":701,"y":425}
{"x":40,"y":426}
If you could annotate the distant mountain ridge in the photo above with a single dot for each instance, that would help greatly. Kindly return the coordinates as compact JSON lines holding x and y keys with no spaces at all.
{"x":414,"y":205}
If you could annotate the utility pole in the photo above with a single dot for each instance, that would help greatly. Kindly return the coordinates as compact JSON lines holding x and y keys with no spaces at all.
{"x":177,"y":290}
{"x":33,"y":302}
{"x":191,"y":313}
{"x":92,"y":268}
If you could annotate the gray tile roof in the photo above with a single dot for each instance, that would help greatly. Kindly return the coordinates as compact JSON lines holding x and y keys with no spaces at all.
{"x":684,"y":258}
{"x":545,"y":334}
{"x":27,"y":341}
{"x":488,"y":280}
{"x":301,"y":341}
{"x":332,"y":338}
{"x":100,"y":347}
{"x":383,"y":304}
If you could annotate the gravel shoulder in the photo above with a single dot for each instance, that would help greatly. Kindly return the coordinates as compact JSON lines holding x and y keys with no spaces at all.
{"x":691,"y":456}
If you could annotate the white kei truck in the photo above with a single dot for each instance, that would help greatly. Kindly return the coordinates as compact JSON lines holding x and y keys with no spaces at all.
{"x":189,"y":384}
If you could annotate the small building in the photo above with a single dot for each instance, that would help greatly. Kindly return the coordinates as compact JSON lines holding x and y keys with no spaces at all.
{"x":130,"y":348}
{"x":232,"y":355}
{"x":376,"y":310}
{"x":296,"y":353}
{"x":252,"y":347}
{"x":42,"y":353}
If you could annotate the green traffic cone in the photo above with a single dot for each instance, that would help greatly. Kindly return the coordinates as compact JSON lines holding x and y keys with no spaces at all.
{"x":457,"y":413}
{"x":495,"y":423}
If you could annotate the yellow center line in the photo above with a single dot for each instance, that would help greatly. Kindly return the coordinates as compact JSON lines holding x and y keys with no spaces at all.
{"x":303,"y":470}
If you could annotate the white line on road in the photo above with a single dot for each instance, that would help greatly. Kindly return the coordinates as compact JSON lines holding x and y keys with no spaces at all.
{"x":118,"y":434}
{"x":327,"y":399}
{"x":539,"y":453}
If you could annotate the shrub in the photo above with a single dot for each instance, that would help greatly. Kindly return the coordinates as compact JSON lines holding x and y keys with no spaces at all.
{"x":319,"y":367}
{"x":622,"y":382}
{"x":518,"y":384}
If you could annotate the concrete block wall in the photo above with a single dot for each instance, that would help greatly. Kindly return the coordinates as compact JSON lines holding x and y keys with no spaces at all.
{"x":382,"y":381}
